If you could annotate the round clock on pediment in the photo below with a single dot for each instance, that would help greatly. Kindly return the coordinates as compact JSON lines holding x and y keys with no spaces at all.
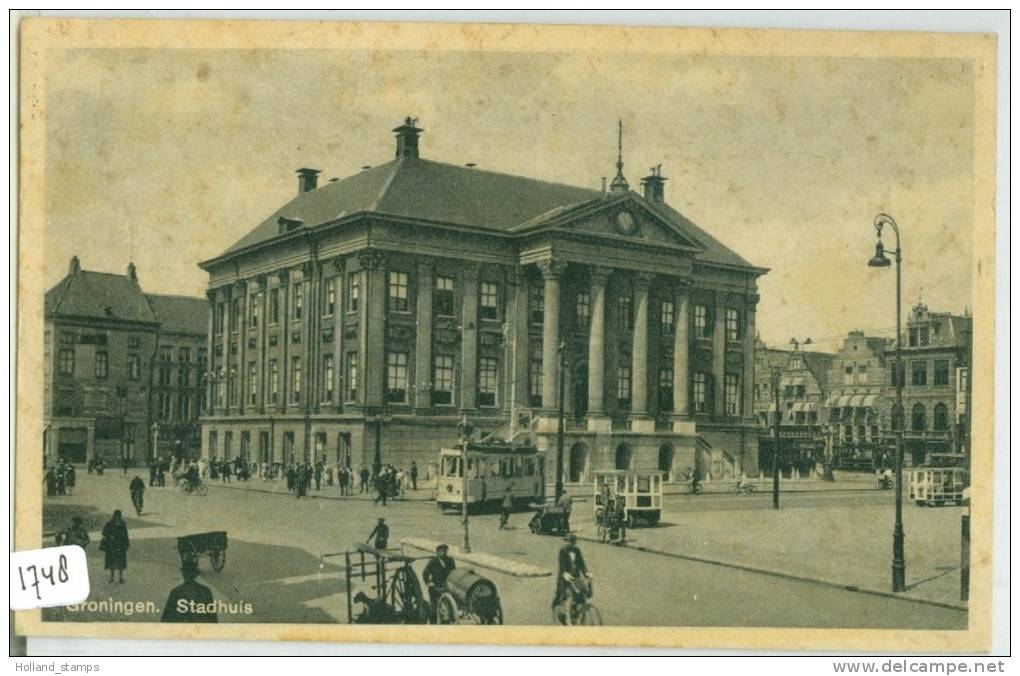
{"x":625,"y":223}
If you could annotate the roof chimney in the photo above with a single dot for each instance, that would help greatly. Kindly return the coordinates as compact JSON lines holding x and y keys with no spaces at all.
{"x":308,"y":179}
{"x":132,"y":273}
{"x":654,"y":185}
{"x":407,"y":138}
{"x":75,"y":266}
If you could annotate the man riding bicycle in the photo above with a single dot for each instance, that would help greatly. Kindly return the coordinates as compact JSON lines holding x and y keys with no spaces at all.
{"x":436,"y":572}
{"x":137,"y":490}
{"x":572,"y":576}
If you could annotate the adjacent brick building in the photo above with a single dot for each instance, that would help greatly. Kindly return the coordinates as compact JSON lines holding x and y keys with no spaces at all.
{"x":103,"y":338}
{"x":363,"y":319}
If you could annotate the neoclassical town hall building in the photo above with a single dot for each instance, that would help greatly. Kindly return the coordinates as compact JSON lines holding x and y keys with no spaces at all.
{"x":368,"y":316}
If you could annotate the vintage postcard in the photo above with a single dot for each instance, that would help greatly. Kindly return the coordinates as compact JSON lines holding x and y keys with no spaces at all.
{"x":508,"y":334}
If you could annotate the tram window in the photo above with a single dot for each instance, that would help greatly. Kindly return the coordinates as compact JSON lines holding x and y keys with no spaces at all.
{"x":505,"y":469}
{"x":518,"y":467}
{"x":451,"y":465}
{"x":643,"y":485}
{"x":472,"y":469}
{"x":494,"y":467}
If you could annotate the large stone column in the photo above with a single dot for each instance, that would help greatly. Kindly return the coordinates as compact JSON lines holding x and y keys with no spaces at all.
{"x":719,"y":355}
{"x":519,"y":346}
{"x":339,"y":310}
{"x":283,"y":395}
{"x":640,"y":420}
{"x":263,"y":349}
{"x":681,"y":361}
{"x":223,"y":381}
{"x":747,"y":378}
{"x":551,"y":271}
{"x":210,"y":354}
{"x":469,"y":340}
{"x":423,"y":338}
{"x":597,"y":418}
{"x":373,"y":345}
{"x":242,"y":291}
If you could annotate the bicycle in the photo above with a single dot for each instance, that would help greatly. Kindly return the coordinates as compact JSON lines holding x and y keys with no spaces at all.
{"x":743,"y":489}
{"x":574,"y":608}
{"x":189,"y":488}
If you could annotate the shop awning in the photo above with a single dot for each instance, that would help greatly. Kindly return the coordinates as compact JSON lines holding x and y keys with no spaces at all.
{"x":870,"y":401}
{"x":830,"y":402}
{"x":788,"y":381}
{"x":856,"y":401}
{"x":843,"y":401}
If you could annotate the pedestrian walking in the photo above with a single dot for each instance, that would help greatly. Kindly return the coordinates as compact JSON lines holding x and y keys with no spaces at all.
{"x":225,"y":470}
{"x":191,"y":601}
{"x":161,"y":470}
{"x":414,"y":476}
{"x":126,"y":462}
{"x":137,"y":490}
{"x":508,"y":505}
{"x":301,"y":478}
{"x":381,"y":534}
{"x":61,"y":482}
{"x":382,"y":489}
{"x":291,"y":478}
{"x":153,"y":467}
{"x":363,"y":473}
{"x":115,"y":544}
{"x":69,"y":478}
{"x":317,"y":473}
{"x":329,"y":475}
{"x":51,"y":482}
{"x":566,"y":503}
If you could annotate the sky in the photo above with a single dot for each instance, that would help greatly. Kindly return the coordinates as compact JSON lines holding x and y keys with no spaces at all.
{"x":168,"y":157}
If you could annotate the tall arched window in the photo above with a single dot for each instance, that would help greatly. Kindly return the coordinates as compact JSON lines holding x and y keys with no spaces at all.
{"x":917,"y":418}
{"x":941,"y":418}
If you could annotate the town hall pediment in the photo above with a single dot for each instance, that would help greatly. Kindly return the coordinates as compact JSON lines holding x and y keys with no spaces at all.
{"x":632,"y":220}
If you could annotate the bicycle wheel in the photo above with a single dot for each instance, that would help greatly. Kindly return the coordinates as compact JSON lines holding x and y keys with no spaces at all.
{"x":202,"y":489}
{"x":446,"y":609}
{"x":603,"y":533}
{"x":588,"y":615}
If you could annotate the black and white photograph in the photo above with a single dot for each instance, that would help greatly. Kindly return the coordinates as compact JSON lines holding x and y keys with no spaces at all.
{"x":334,"y":327}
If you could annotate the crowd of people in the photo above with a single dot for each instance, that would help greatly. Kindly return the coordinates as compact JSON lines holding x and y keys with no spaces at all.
{"x":60,"y":480}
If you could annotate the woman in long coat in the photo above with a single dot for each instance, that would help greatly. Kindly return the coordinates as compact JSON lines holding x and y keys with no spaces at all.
{"x":115,"y":543}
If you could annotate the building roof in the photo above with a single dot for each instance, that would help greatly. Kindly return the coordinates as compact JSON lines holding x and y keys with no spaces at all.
{"x":421,"y":189}
{"x":180,"y":314}
{"x":99,"y":295}
{"x":819,"y":364}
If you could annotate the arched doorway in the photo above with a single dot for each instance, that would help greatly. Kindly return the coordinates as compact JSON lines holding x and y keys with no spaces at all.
{"x":578,"y":462}
{"x":623,"y":456}
{"x":666,"y":461}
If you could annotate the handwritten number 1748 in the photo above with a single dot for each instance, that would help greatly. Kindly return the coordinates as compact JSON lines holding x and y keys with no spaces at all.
{"x":46,"y":573}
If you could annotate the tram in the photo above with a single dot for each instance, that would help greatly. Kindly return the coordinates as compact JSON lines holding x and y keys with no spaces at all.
{"x":492,"y":468}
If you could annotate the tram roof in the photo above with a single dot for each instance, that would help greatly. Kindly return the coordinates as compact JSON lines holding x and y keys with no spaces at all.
{"x":495,"y":449}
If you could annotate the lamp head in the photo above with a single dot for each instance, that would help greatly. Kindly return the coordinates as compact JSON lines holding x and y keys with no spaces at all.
{"x":879,"y":260}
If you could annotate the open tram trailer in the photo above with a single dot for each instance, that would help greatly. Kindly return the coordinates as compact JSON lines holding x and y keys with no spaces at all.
{"x":938,"y":486}
{"x":640,"y":490}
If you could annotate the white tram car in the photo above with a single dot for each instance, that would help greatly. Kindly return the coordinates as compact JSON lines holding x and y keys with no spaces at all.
{"x":491,"y":469}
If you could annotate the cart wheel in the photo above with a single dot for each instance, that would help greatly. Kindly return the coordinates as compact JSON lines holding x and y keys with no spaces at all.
{"x":446,"y":609}
{"x":405,"y":596}
{"x":183,"y":485}
{"x":588,"y":615}
{"x":497,"y":615}
{"x":218,"y":559}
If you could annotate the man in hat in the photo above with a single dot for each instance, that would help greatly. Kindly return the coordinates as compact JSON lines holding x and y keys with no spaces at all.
{"x":571,"y":567}
{"x":191,"y":601}
{"x":381,"y":533}
{"x":436,"y":572}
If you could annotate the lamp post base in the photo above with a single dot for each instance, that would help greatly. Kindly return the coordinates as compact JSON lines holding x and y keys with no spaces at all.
{"x":899,"y":566}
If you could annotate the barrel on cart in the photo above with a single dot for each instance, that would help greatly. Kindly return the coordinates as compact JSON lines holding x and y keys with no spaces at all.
{"x":212,"y":544}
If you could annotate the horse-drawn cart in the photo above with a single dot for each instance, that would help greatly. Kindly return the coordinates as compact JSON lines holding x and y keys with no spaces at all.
{"x":212,"y":544}
{"x":396,"y":593}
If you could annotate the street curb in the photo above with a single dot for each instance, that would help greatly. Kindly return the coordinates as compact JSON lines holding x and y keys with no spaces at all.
{"x":787,"y":576}
{"x":367,"y":497}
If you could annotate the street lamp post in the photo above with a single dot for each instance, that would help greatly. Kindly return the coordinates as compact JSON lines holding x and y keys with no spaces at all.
{"x":560,"y":424}
{"x":879,"y":260}
{"x":775,"y":441}
{"x":465,"y":430}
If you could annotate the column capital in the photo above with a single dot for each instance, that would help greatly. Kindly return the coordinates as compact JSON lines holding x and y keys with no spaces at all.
{"x":283,"y":274}
{"x":240,"y":287}
{"x":752,"y":299}
{"x":642,"y":280}
{"x":426,"y":265}
{"x":262,"y":281}
{"x":307,"y":268}
{"x":552,"y":268}
{"x":212,"y":294}
{"x":371,"y":259}
{"x":338,"y":263}
{"x":470,"y":272}
{"x":599,"y":275}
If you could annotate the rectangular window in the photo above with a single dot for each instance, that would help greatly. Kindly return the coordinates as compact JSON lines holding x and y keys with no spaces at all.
{"x":330,"y":302}
{"x":253,"y":384}
{"x":253,"y":311}
{"x":922,"y":336}
{"x":228,"y":445}
{"x":183,"y":374}
{"x":212,"y":444}
{"x":274,"y":305}
{"x":295,"y":379}
{"x":299,"y":299}
{"x":667,"y":313}
{"x":732,"y":324}
{"x":185,"y":407}
{"x":221,"y":390}
{"x":701,"y":321}
{"x":862,"y":374}
{"x":67,"y":362}
{"x":166,"y":353}
{"x":274,"y":381}
{"x":442,"y":380}
{"x":536,"y":304}
{"x":397,"y":291}
{"x":666,"y":389}
{"x":487,"y":370}
{"x":352,"y":376}
{"x":700,"y":393}
{"x":919,"y":373}
{"x":848,"y":374}
{"x":396,"y":377}
{"x":582,"y":310}
{"x":535,"y":380}
{"x":165,"y":401}
{"x":893,"y":381}
{"x":353,"y":291}
{"x":235,"y":315}
{"x":623,"y":386}
{"x":941,"y":372}
{"x":732,"y":383}
{"x":102,"y":365}
{"x":327,"y":377}
{"x":184,"y":355}
{"x":134,"y":367}
{"x":442,"y":300}
{"x":625,"y":308}
{"x":134,"y":342}
{"x":490,"y":301}
{"x":232,"y":386}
